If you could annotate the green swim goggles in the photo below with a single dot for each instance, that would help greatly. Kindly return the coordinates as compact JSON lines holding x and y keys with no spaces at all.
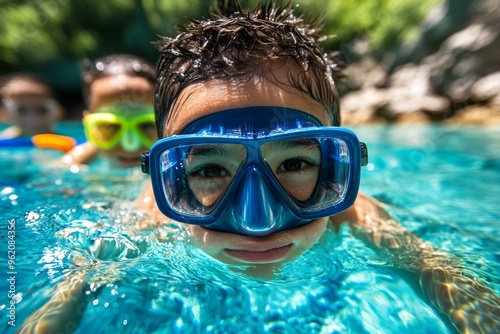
{"x":130,"y":124}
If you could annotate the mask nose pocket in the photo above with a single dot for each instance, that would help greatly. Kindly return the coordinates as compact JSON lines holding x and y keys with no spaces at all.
{"x":256,"y":209}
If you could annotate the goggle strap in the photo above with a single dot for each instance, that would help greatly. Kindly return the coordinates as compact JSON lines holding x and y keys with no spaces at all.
{"x":364,"y":154}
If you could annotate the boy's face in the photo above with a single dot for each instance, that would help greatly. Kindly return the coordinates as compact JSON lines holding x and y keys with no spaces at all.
{"x":211,"y":97}
{"x":31,"y":108}
{"x":115,"y":90}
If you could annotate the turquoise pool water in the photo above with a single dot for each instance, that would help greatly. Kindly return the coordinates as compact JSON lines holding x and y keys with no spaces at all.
{"x":442,"y":183}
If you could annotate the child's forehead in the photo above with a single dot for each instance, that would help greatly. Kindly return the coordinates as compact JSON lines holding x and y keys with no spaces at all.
{"x":203,"y":99}
{"x":119,"y":89}
{"x":26,"y":88}
{"x":119,"y":83}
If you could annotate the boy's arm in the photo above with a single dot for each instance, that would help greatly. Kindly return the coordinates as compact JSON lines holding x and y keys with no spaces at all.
{"x":66,"y":307}
{"x":63,"y":312}
{"x":80,"y":154}
{"x":471,"y":306}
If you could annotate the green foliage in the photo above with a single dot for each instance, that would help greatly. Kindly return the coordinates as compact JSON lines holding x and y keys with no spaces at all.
{"x":400,"y":24}
{"x":384,"y":24}
{"x":36,"y":32}
{"x":166,"y":16}
{"x":30,"y":32}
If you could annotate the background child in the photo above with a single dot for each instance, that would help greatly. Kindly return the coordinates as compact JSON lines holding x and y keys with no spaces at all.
{"x":29,"y":104}
{"x":119,"y":121}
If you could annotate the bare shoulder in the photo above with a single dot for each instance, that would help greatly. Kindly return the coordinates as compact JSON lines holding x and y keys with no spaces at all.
{"x":364,"y":210}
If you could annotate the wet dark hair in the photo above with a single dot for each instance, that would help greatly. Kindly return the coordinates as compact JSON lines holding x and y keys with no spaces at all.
{"x":115,"y":64}
{"x":234,"y":42}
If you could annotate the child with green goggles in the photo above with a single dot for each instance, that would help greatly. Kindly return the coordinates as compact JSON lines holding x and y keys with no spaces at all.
{"x":131,"y":125}
{"x":119,"y":123}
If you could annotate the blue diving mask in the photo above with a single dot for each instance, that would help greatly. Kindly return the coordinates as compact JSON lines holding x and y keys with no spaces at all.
{"x":255,"y":171}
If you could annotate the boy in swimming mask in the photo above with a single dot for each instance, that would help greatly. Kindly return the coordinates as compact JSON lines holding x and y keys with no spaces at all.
{"x":252,"y":156}
{"x":253,"y":159}
{"x":119,"y":121}
{"x":29,"y":104}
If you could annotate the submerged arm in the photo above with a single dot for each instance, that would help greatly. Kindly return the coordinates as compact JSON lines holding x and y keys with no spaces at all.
{"x":63,"y":312}
{"x":66,"y":307}
{"x":470,"y":305}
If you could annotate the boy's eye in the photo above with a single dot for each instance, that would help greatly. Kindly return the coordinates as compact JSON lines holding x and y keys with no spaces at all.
{"x":109,"y":126}
{"x":213,"y":171}
{"x":22,"y":110}
{"x":145,"y":127}
{"x":148,"y":129}
{"x":208,"y":182}
{"x":108,"y":130}
{"x":43,"y":110}
{"x":291,"y":165}
{"x":38,"y":109}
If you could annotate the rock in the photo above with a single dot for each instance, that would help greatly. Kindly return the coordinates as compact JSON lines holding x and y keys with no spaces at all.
{"x":365,"y":74}
{"x":457,"y":78}
{"x":477,"y":115}
{"x":487,"y":88}
{"x":411,"y":77}
{"x":361,"y":105}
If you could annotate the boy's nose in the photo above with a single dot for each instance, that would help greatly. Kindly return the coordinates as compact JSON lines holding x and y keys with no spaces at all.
{"x":256,"y":210}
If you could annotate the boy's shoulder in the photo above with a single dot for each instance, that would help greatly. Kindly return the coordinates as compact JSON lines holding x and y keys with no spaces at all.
{"x":365,"y":211}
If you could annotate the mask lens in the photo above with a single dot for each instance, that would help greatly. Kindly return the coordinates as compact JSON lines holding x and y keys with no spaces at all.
{"x":195,"y":177}
{"x":313,"y":171}
{"x":148,"y":129}
{"x":295,"y":164}
{"x":102,"y":129}
{"x":105,"y":130}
